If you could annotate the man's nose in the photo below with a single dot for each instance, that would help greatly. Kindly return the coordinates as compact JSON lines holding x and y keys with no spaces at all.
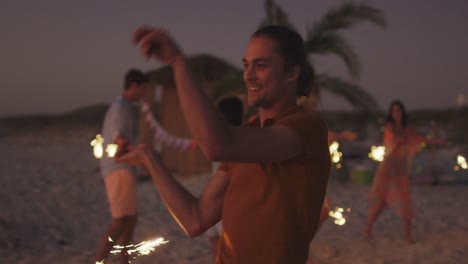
{"x":249,"y":73}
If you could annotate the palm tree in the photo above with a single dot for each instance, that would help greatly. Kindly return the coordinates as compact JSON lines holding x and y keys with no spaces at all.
{"x":275,"y":16}
{"x":324,"y":38}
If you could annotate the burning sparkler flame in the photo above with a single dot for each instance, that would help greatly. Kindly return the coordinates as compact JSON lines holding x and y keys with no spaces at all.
{"x":461,"y":161}
{"x":335,"y":153}
{"x":143,"y":248}
{"x":338,"y":215}
{"x":111,"y":149}
{"x":98,"y":148}
{"x":334,"y":147}
{"x":377,"y":153}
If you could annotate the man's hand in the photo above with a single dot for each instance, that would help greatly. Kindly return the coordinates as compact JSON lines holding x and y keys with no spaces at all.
{"x":123,"y":146}
{"x":156,"y":42}
{"x":140,"y":155}
{"x":348,"y":135}
{"x":193,"y":145}
{"x":439,"y":141}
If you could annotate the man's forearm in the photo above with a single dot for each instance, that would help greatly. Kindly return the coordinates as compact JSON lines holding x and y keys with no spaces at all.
{"x":180,"y":202}
{"x":208,"y":129}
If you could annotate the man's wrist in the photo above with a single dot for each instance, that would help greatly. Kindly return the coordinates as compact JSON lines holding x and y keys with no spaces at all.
{"x":177,"y":59}
{"x":151,"y":158}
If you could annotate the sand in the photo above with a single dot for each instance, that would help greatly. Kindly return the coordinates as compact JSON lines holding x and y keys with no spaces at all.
{"x":54,"y":210}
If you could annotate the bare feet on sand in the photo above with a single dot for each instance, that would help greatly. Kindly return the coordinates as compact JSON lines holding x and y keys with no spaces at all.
{"x":408,"y":239}
{"x":367,"y":234}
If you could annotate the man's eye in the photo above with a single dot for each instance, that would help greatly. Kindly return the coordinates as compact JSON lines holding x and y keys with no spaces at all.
{"x":261,"y":66}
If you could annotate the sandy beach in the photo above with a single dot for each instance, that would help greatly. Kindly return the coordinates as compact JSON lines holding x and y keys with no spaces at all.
{"x":54,"y":209}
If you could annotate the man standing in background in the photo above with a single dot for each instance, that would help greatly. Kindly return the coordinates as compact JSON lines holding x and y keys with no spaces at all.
{"x":121,"y":128}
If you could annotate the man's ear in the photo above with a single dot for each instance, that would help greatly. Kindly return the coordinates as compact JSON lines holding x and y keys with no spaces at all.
{"x":294,"y":72}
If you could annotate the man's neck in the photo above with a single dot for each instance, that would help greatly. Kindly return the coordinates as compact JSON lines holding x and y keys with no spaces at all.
{"x":276,"y":110}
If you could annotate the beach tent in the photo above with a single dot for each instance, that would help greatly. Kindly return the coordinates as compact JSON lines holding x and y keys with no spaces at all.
{"x":164,"y":103}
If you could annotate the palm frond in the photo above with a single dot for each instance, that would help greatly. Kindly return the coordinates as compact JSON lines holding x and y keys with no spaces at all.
{"x":324,"y":38}
{"x":358,"y":97}
{"x":275,"y":15}
{"x":347,"y":15}
{"x":229,"y":83}
{"x":325,"y":32}
{"x":333,"y":43}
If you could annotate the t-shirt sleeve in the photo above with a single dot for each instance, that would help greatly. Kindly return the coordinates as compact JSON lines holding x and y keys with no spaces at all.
{"x":312,"y":131}
{"x":223,"y":166}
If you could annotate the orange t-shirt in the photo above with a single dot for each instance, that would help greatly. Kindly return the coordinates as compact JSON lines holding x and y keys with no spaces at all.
{"x":271,"y":210}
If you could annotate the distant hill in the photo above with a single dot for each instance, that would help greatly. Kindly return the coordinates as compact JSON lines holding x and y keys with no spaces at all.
{"x":453,"y":121}
{"x":92,"y":115}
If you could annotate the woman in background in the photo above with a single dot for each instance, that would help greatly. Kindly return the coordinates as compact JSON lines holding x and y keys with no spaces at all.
{"x":391,"y":184}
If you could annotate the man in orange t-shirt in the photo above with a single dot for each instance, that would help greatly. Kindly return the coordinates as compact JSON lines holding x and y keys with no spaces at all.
{"x":271,"y":185}
{"x":280,"y":202}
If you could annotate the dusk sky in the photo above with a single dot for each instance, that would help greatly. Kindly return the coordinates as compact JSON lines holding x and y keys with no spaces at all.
{"x":57,"y":56}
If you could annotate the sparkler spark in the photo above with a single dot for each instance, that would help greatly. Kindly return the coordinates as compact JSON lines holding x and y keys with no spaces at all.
{"x":335,"y":153}
{"x":98,"y":148}
{"x":338,"y":215}
{"x":143,"y":248}
{"x":111,"y":149}
{"x":461,"y":161}
{"x":377,"y":153}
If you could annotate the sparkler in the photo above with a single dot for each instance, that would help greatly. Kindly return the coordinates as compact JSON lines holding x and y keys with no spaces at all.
{"x":335,"y":154}
{"x":377,"y":153}
{"x":143,"y":248}
{"x":461,"y":161}
{"x":338,"y":215}
{"x":140,"y":249}
{"x":160,"y":135}
{"x":111,"y":149}
{"x":98,"y":148}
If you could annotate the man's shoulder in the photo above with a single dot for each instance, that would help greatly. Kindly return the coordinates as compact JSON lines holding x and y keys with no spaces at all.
{"x":305,"y":118}
{"x":119,"y":104}
{"x":311,"y":129}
